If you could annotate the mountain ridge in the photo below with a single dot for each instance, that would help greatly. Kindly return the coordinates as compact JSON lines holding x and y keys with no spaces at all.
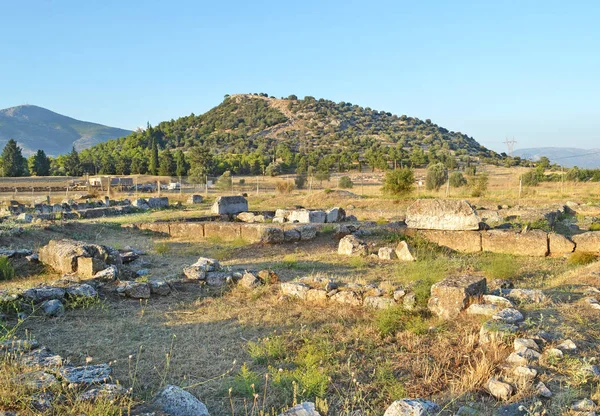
{"x":565,"y":156}
{"x":35,"y":127}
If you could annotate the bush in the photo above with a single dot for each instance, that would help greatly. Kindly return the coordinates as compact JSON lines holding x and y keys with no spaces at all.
{"x":595,"y":226}
{"x":242,"y":182}
{"x":399,"y":182}
{"x":436,"y":176}
{"x":322,"y":175}
{"x":284,"y":187}
{"x":532,"y":177}
{"x":300,"y":181}
{"x":457,"y":180}
{"x":224,"y":182}
{"x":478,"y":185}
{"x":580,"y":258}
{"x":7,"y":271}
{"x":346,"y":182}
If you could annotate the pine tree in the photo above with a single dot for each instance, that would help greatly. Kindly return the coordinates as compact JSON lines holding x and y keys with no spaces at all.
{"x":40,"y":164}
{"x":13,"y":162}
{"x":73,"y":164}
{"x":181,"y":164}
{"x":167,"y":165}
{"x":153,"y":166}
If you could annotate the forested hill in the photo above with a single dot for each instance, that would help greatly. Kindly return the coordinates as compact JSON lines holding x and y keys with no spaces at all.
{"x":248,"y":130}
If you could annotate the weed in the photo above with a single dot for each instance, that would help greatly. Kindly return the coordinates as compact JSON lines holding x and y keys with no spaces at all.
{"x":391,"y":320}
{"x":7,"y":271}
{"x":357,"y":262}
{"x":290,"y":261}
{"x":580,"y":258}
{"x":417,"y":324}
{"x":327,"y":229}
{"x":498,"y":266}
{"x":245,"y":382}
{"x":540,"y":224}
{"x":84,"y":302}
{"x":595,"y":226}
{"x":386,"y":381}
{"x":162,"y":248}
{"x":267,"y":349}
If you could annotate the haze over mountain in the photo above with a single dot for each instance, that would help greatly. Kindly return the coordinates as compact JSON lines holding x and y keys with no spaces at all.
{"x":565,"y":156}
{"x":35,"y":128}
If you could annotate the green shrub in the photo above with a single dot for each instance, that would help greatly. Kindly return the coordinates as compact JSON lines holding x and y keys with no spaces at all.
{"x":387,"y":383}
{"x":580,"y":258}
{"x":300,"y":181}
{"x":436,"y":176}
{"x":478,"y":185}
{"x":457,"y":180}
{"x":595,"y":226}
{"x":284,"y":187}
{"x":7,"y":271}
{"x":346,"y":182}
{"x":499,"y":266}
{"x":267,"y":349}
{"x":245,"y":383}
{"x":399,"y":182}
{"x":224,"y":182}
{"x":389,"y":321}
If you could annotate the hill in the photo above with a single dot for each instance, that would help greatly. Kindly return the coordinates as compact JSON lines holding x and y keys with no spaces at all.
{"x":38,"y":128}
{"x":246,"y":131}
{"x":565,"y":156}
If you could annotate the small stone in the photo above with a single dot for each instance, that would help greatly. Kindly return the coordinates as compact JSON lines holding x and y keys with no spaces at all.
{"x":516,"y":359}
{"x":542,"y":390}
{"x":522,"y":343}
{"x":135,"y":290}
{"x":554,"y":353}
{"x":81,"y":291}
{"x":466,"y":411}
{"x":53,"y":308}
{"x":303,"y":409}
{"x":108,"y":274}
{"x":386,"y":253}
{"x":159,"y":287}
{"x":399,"y":294}
{"x":250,"y":281}
{"x":352,"y":246}
{"x":37,"y":380}
{"x":316,"y":295}
{"x":499,"y":389}
{"x":295,"y":289}
{"x":404,"y":252}
{"x":513,"y":409}
{"x":42,"y":402}
{"x":409,"y":301}
{"x":40,"y":358}
{"x":497,"y":300}
{"x":347,"y":297}
{"x":567,"y":346}
{"x":509,"y":316}
{"x":524,"y":295}
{"x":89,"y":374}
{"x":379,"y":302}
{"x":174,"y":400}
{"x":584,"y":405}
{"x":106,"y":392}
{"x":525,"y":372}
{"x":482,"y":309}
{"x":412,"y":407}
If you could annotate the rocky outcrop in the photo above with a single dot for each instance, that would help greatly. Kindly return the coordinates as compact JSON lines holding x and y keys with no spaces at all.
{"x":442,"y":214}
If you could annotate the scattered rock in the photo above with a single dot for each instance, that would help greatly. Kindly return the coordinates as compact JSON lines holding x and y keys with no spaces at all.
{"x":554,"y":353}
{"x":405,"y":252}
{"x":37,"y":380}
{"x":497,"y":300}
{"x":523,"y":343}
{"x":303,"y":409}
{"x":514,"y":409}
{"x":40,"y":358}
{"x":567,"y":346}
{"x":387,"y":253}
{"x":106,"y":392}
{"x":482,"y":309}
{"x":109,"y":274}
{"x":250,"y":281}
{"x":335,"y":215}
{"x":18,"y":345}
{"x":158,"y":202}
{"x":307,"y":232}
{"x":352,"y":246}
{"x":198,"y":270}
{"x":81,"y":291}
{"x":525,"y":372}
{"x":584,"y":405}
{"x":89,"y":374}
{"x":508,"y":316}
{"x":53,"y":308}
{"x":43,"y":294}
{"x":495,"y":330}
{"x":379,"y":302}
{"x":347,"y":297}
{"x":542,"y":390}
{"x":229,"y":205}
{"x":412,"y":407}
{"x":42,"y":402}
{"x":450,"y":296}
{"x":175,"y":401}
{"x":290,"y":236}
{"x":134,"y":290}
{"x":272,"y":235}
{"x":295,"y":289}
{"x":499,"y":389}
{"x":159,"y":287}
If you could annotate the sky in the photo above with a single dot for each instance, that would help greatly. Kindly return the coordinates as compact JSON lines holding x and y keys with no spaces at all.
{"x":492,"y":70}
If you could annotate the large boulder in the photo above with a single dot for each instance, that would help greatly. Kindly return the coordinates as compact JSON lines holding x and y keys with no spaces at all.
{"x":450,"y":296}
{"x":404,"y":252}
{"x":412,"y":407}
{"x":442,"y":214}
{"x":272,"y":235}
{"x":70,"y":256}
{"x":589,"y":241}
{"x":463,"y":241}
{"x":229,"y":205}
{"x":336,"y":215}
{"x":519,"y":243}
{"x":559,"y":245}
{"x":304,"y":216}
{"x":175,"y":401}
{"x":195,"y":199}
{"x":352,"y":246}
{"x":159,"y":202}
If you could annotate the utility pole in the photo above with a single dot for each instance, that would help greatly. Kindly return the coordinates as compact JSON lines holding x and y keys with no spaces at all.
{"x":510,"y":145}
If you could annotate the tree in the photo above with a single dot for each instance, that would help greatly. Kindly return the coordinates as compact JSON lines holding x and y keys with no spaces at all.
{"x":13,"y":162}
{"x":72,"y":164}
{"x":300,"y":181}
{"x":201,"y":163}
{"x":457,"y":180}
{"x":478,"y":185}
{"x":181,"y":166}
{"x":39,"y":164}
{"x":224,"y":182}
{"x":436,"y":176}
{"x":399,"y":182}
{"x":167,"y":166}
{"x":153,"y":166}
{"x":346,"y":182}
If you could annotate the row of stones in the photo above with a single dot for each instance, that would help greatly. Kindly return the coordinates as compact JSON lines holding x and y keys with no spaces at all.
{"x":46,"y":373}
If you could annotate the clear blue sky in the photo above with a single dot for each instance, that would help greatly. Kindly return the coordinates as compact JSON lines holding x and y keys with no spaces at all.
{"x":528,"y":69}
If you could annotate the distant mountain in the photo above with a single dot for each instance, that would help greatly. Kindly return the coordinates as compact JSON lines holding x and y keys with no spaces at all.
{"x":38,"y":128}
{"x":565,"y":156}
